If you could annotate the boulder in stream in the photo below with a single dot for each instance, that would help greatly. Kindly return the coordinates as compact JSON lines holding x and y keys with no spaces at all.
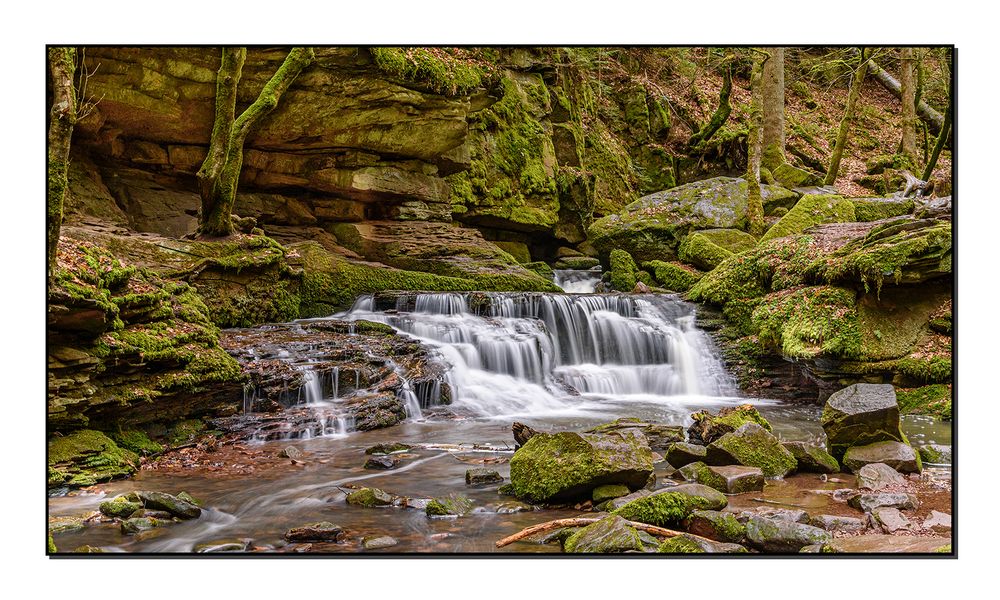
{"x":869,"y":502}
{"x":670,"y":506}
{"x":689,"y":544}
{"x":182,"y":509}
{"x":610,"y":535}
{"x":861,"y":414}
{"x":568,"y":465}
{"x":482,"y":476}
{"x":323,"y":531}
{"x":378,"y":542}
{"x":381,"y":461}
{"x":658,"y":436}
{"x":370,"y":498}
{"x":753,"y":446}
{"x":877,"y":476}
{"x":890,"y":520}
{"x":708,"y":427}
{"x":683,"y":453}
{"x":837,"y":523}
{"x":897,"y":455}
{"x":780,"y":536}
{"x":717,"y":525}
{"x":935,"y":454}
{"x":119,"y":508}
{"x":454,"y":505}
{"x":812,"y":459}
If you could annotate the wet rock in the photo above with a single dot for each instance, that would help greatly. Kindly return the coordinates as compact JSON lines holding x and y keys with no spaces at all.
{"x":869,"y":502}
{"x":738,"y":479}
{"x":792,"y":515}
{"x":691,"y":471}
{"x":897,"y":455}
{"x":189,"y":498}
{"x":370,"y":497}
{"x":323,"y":531}
{"x":66,"y":524}
{"x":683,"y":453}
{"x":138,"y":524}
{"x":658,"y":436}
{"x":381,"y":462}
{"x":877,"y":476}
{"x":837,"y":523}
{"x":672,"y":505}
{"x":811,"y":549}
{"x":884,"y":543}
{"x":452,"y":506}
{"x":890,"y":520}
{"x":376,"y":543}
{"x":389,"y":448}
{"x":779,"y":536}
{"x":161,"y":515}
{"x":609,"y":492}
{"x":861,"y":414}
{"x":177,"y":507}
{"x":611,"y":535}
{"x":568,"y":465}
{"x":708,"y":427}
{"x":377,"y":411}
{"x":937,"y":521}
{"x":418,"y":503}
{"x":223,"y":546}
{"x":689,"y":544}
{"x":716,"y":525}
{"x":119,"y":508}
{"x":753,"y":446}
{"x":481,"y":476}
{"x":290,"y":452}
{"x":611,"y":505}
{"x":507,"y":508}
{"x":812,"y":459}
{"x":935,"y":454}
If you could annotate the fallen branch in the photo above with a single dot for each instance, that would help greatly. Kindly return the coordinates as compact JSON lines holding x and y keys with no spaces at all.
{"x":584,"y":521}
{"x":933,"y":118}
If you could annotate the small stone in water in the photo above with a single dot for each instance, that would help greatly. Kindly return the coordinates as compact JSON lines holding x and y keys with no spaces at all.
{"x":290,"y":452}
{"x":482,"y":476}
{"x":390,"y":448}
{"x":374,"y":543}
{"x":381,"y":462}
{"x":324,"y":531}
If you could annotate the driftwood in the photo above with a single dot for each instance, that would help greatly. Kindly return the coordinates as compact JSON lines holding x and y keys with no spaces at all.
{"x":522,"y":433}
{"x":584,"y":521}
{"x":918,"y":187}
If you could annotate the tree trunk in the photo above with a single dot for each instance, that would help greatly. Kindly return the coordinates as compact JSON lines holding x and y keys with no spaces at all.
{"x":848,"y":118}
{"x":62,"y":118}
{"x":773,"y":90}
{"x":721,"y":113}
{"x":908,"y":99}
{"x":755,"y":136}
{"x":945,"y":130}
{"x":933,"y":118}
{"x":220,"y":173}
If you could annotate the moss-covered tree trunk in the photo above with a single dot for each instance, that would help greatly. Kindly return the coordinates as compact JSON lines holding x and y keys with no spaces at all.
{"x":848,"y":119}
{"x":62,"y":118}
{"x":942,"y":138}
{"x":721,"y":114}
{"x":773,"y":91}
{"x":220,"y":173}
{"x":755,"y":137}
{"x":908,"y":143}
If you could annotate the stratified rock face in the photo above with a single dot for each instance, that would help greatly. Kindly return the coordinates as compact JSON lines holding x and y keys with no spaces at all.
{"x":567,"y":465}
{"x":653,"y":225}
{"x":861,"y":414}
{"x":751,"y":445}
{"x":897,"y":455}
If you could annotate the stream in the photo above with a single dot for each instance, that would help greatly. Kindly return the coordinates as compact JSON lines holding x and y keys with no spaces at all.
{"x":553,"y":361}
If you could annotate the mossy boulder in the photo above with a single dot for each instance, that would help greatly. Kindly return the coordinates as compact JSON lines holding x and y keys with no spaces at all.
{"x":87,"y":457}
{"x":604,"y":493}
{"x":809,"y":322}
{"x":681,"y":544}
{"x":811,"y":209}
{"x":935,"y":454}
{"x":708,"y":427}
{"x":673,"y":276}
{"x":176,"y":506}
{"x":716,"y":525}
{"x":611,"y":535}
{"x":781,"y":537}
{"x":707,"y":249}
{"x":670,"y":506}
{"x":623,"y":271}
{"x":861,"y":414}
{"x":567,"y":465}
{"x":119,"y":507}
{"x":683,"y":453}
{"x":454,"y":505}
{"x":139,"y":524}
{"x":652,"y":227}
{"x":370,"y":498}
{"x":812,"y":459}
{"x":876,"y":209}
{"x":518,"y":250}
{"x":898,"y":455}
{"x":753,"y":446}
{"x":482,"y":476}
{"x":658,"y":436}
{"x":792,"y":177}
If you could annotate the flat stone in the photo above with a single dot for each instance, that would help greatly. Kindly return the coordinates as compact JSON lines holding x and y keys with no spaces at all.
{"x":390,"y":448}
{"x":375,"y":543}
{"x":226,"y":545}
{"x":812,"y":459}
{"x":480,"y":476}
{"x":323,"y":531}
{"x":370,"y":497}
{"x":779,"y":536}
{"x":876,"y":476}
{"x":897,"y":455}
{"x":890,"y":519}
{"x":739,"y":479}
{"x":290,"y":452}
{"x":837,"y":523}
{"x":792,"y":515}
{"x":683,"y":453}
{"x":883,"y":543}
{"x":869,"y":502}
{"x":938,"y":521}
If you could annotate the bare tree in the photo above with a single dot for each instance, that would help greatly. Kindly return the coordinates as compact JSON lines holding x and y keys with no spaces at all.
{"x":62,"y":118}
{"x":220,"y":173}
{"x":847,"y":120}
{"x":773,"y":98}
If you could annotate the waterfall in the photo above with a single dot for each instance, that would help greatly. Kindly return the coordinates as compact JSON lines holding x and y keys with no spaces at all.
{"x":531,"y":353}
{"x":576,"y":281}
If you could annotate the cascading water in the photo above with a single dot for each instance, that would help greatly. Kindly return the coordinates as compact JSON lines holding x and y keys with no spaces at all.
{"x":576,"y":281}
{"x":533,"y":354}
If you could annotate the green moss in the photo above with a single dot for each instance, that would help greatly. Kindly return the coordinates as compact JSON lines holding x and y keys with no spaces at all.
{"x":667,"y":509}
{"x":811,"y":210}
{"x":119,"y":507}
{"x":875,"y":209}
{"x":136,"y":441}
{"x":623,"y":271}
{"x":50,"y":545}
{"x":936,"y":369}
{"x":673,"y":276}
{"x":754,"y":446}
{"x":541,"y":268}
{"x":701,"y":251}
{"x":185,"y":431}
{"x":86,"y":457}
{"x":808,"y":322}
{"x":680,"y":545}
{"x":438,"y":70}
{"x":453,"y":505}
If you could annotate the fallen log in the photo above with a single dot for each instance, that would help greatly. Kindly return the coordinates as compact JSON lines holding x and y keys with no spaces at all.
{"x":583,"y":522}
{"x":934,"y":119}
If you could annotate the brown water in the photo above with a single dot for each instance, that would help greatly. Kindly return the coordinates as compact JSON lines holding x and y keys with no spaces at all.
{"x":261,"y":507}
